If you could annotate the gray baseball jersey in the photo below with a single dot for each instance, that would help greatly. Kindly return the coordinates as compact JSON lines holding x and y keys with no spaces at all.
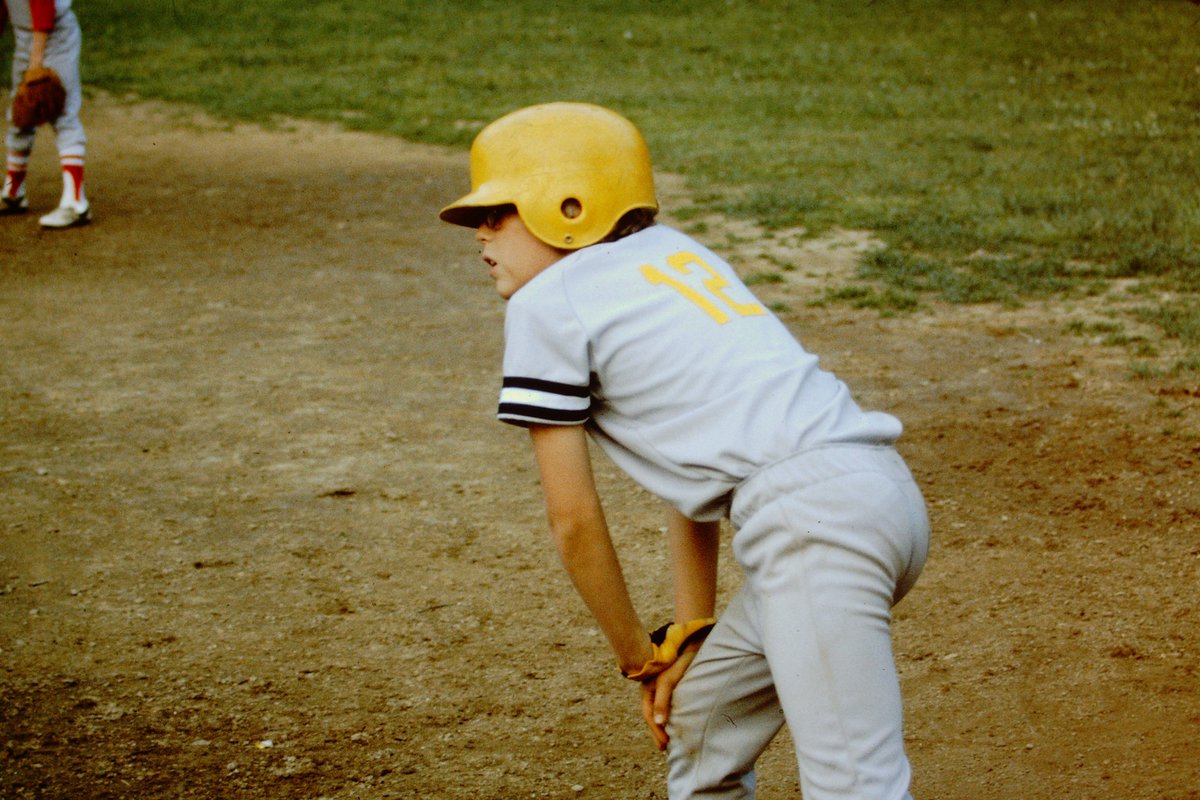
{"x":680,"y":374}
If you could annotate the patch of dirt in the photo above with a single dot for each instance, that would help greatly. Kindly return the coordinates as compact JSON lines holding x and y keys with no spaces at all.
{"x":262,"y":538}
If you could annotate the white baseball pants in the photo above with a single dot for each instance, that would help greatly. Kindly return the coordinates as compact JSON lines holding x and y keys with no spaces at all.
{"x":62,"y":55}
{"x":829,"y":540}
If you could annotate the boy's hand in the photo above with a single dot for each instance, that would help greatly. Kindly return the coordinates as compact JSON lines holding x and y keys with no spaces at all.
{"x":656,"y":696}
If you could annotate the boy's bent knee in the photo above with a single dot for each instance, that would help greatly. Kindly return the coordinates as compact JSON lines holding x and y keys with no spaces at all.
{"x":716,"y":736}
{"x":691,"y":773}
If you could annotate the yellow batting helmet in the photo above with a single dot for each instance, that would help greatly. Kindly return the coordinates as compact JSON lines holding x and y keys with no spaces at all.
{"x":571,"y":169}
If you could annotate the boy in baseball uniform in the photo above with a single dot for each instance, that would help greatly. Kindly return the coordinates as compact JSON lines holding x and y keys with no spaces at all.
{"x":47,"y":35}
{"x":639,"y":336}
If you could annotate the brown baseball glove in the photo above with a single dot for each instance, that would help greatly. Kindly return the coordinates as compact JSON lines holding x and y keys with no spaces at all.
{"x":39,"y":99}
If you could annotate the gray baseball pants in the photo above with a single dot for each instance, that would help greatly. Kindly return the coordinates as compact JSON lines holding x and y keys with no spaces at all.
{"x":62,"y":55}
{"x":829,"y":540}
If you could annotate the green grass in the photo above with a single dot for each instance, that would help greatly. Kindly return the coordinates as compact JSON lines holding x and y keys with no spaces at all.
{"x":997,"y":280}
{"x":1001,"y":148}
{"x":1179,"y":319}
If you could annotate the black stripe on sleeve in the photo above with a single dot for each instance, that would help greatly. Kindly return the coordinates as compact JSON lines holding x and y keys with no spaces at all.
{"x":550,"y":387}
{"x":530,"y":413}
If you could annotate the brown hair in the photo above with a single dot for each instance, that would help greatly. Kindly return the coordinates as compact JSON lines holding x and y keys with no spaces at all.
{"x":633,"y":221}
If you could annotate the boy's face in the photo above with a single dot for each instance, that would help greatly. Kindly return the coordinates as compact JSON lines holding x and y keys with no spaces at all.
{"x":514,"y":255}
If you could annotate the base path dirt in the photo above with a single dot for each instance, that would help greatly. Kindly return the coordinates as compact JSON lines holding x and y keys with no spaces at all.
{"x":261,"y":536}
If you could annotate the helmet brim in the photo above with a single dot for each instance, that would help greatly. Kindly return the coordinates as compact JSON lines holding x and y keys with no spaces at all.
{"x":469,"y":210}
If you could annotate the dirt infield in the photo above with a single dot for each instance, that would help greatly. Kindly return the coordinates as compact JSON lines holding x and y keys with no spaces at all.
{"x":261,"y":537}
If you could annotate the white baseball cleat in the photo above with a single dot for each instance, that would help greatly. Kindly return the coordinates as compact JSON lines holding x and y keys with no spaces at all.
{"x":68,"y":215}
{"x":13,"y":205}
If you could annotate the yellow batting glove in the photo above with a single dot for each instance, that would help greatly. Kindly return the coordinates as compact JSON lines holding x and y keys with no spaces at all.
{"x":667,"y":642}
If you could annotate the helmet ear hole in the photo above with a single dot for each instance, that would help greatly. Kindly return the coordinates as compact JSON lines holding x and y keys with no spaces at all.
{"x":571,"y":208}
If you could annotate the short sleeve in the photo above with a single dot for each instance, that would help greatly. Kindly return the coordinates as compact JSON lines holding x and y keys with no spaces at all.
{"x":43,"y":14}
{"x":547,"y":371}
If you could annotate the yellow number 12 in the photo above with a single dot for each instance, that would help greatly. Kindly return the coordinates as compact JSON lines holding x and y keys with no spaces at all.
{"x":715,"y":284}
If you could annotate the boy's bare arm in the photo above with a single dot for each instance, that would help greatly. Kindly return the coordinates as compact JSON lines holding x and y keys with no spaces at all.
{"x":581,"y":536}
{"x":37,"y":50}
{"x":694,"y":552}
{"x":695,"y":547}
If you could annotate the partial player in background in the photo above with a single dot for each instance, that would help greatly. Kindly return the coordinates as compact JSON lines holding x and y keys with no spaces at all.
{"x":640,"y":336}
{"x":47,"y":36}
